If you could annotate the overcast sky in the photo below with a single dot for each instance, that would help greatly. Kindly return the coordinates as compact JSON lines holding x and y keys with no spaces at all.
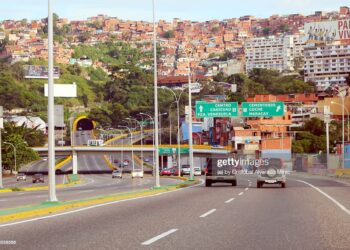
{"x":196,"y":10}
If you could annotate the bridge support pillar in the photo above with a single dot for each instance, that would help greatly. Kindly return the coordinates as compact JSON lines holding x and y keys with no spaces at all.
{"x":170,"y":161}
{"x":75,"y":162}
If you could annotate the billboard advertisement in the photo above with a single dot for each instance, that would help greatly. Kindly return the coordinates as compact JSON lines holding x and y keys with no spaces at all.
{"x":62,"y":90}
{"x":327,"y":31}
{"x":39,"y":72}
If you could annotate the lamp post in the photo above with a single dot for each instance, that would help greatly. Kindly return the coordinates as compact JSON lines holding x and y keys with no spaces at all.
{"x":170,"y":122}
{"x":51,"y":124}
{"x":150,"y":117}
{"x":177,"y":99}
{"x":160,"y":135}
{"x":14,"y":153}
{"x":121,"y":151}
{"x":1,"y":127}
{"x":190,"y":143}
{"x":132,"y":146}
{"x":141,"y":139}
{"x":156,"y":145}
{"x":347,"y":111}
{"x":342,"y":96}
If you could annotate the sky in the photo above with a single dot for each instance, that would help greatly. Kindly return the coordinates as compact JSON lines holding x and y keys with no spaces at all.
{"x":196,"y":10}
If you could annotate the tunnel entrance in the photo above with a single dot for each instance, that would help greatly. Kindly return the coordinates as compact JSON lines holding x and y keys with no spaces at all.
{"x":85,"y":124}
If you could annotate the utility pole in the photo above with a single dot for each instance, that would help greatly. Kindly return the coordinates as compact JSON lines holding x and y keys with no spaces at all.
{"x":1,"y":127}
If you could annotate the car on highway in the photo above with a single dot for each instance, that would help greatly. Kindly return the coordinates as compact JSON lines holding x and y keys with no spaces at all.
{"x":146,"y":159}
{"x":272,"y":172}
{"x":136,"y":173}
{"x":21,"y":177}
{"x":126,"y":163}
{"x":38,"y":178}
{"x":174,"y":171}
{"x":197,"y":171}
{"x":185,"y":169}
{"x":216,"y":172}
{"x":115,"y":160}
{"x":117,"y":174}
{"x":165,"y":172}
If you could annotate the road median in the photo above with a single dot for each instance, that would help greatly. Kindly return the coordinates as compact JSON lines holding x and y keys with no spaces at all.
{"x":47,"y":208}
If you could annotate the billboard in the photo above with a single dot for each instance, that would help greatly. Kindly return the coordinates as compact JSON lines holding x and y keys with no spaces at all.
{"x":39,"y":72}
{"x":327,"y":31}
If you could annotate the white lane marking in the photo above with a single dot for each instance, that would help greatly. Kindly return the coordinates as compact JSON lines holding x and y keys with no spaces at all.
{"x":158,"y":237}
{"x":3,"y":200}
{"x":228,"y":201}
{"x":95,"y":206}
{"x":86,"y":191}
{"x":207,"y":213}
{"x":19,"y":193}
{"x":246,"y":189}
{"x":240,"y":193}
{"x":328,"y":196}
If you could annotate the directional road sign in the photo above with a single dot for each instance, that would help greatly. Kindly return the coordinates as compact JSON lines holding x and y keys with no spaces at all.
{"x":216,"y":109}
{"x":170,"y":151}
{"x":261,"y":109}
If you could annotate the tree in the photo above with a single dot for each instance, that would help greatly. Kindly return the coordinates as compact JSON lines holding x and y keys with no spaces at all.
{"x":169,"y":34}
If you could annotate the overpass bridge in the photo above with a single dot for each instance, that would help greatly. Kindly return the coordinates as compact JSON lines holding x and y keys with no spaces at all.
{"x":74,"y":151}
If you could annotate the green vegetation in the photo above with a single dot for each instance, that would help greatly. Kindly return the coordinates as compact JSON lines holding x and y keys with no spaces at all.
{"x":263,"y":81}
{"x":311,"y":138}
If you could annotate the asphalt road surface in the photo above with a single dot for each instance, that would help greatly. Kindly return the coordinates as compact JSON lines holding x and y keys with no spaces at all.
{"x":93,"y":185}
{"x":300,"y":216}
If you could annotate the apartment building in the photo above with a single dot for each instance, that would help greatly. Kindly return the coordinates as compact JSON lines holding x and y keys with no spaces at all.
{"x":276,"y":53}
{"x":327,"y":64}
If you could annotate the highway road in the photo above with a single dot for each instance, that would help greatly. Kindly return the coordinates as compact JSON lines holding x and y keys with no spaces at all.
{"x":311,"y":213}
{"x":93,"y":185}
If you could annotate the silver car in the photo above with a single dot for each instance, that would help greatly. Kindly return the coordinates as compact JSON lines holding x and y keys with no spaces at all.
{"x":271,"y":173}
{"x":117,"y":174}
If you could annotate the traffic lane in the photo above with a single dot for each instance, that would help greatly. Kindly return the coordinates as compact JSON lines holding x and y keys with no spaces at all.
{"x":103,"y":186}
{"x":132,"y":221}
{"x":338,"y":190}
{"x":12,"y":181}
{"x":296,"y":217}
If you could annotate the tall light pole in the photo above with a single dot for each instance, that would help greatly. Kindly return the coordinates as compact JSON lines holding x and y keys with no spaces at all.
{"x":132,"y":146}
{"x":155,"y":69}
{"x":177,"y":98}
{"x":347,"y":111}
{"x":141,"y":139}
{"x":170,"y":121}
{"x":150,"y":117}
{"x":51,"y":124}
{"x":190,"y":142}
{"x":14,"y":153}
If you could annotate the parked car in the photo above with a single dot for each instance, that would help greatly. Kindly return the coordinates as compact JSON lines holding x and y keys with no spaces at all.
{"x":126,"y":163}
{"x":137,"y":173}
{"x":38,"y":178}
{"x":21,"y":177}
{"x":271,"y":173}
{"x":146,"y":159}
{"x":115,"y":161}
{"x":165,"y":171}
{"x":217,"y":146}
{"x":117,"y":174}
{"x":175,"y":171}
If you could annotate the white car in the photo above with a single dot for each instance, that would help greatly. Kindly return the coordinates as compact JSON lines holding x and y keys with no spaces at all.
{"x":21,"y":176}
{"x":185,"y":169}
{"x":137,"y":173}
{"x":197,"y":171}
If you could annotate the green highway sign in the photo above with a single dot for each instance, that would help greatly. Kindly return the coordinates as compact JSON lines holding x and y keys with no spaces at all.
{"x":183,"y":150}
{"x":261,"y":109}
{"x":166,"y":151}
{"x":216,"y":109}
{"x":170,"y":151}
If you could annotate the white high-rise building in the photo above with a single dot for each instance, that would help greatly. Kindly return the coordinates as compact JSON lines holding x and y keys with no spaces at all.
{"x":277,"y":53}
{"x":327,"y":64}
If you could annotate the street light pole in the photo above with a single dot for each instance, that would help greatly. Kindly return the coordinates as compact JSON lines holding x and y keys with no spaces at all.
{"x":141,"y":139}
{"x":51,"y":124}
{"x":177,"y":98}
{"x":170,"y":121}
{"x":156,"y":149}
{"x":190,"y":143}
{"x":132,"y":146}
{"x":347,"y":111}
{"x":150,"y":117}
{"x":14,"y":153}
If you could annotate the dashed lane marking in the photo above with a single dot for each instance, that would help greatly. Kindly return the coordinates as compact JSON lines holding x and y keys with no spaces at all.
{"x":158,"y":237}
{"x":207,"y":213}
